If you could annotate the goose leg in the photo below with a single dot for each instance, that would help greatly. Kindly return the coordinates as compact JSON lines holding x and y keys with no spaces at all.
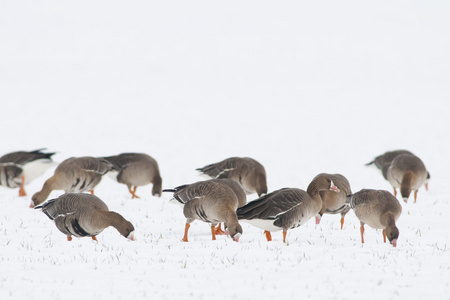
{"x":362,"y":233}
{"x":133,"y":192}
{"x":186,"y":228}
{"x":268,"y":235}
{"x":95,"y":238}
{"x":384,"y":235}
{"x":342,"y":222}
{"x":219,"y":230}
{"x":213,"y":232}
{"x":69,"y":238}
{"x":92,"y":192}
{"x":318,"y":218}
{"x":22,"y":192}
{"x":284,"y":236}
{"x":395,"y":192}
{"x":415,"y":195}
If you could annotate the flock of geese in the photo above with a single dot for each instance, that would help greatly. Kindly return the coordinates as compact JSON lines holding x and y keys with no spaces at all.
{"x":221,"y":199}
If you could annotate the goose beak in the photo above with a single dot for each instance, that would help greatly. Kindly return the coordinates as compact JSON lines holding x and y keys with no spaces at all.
{"x":32,"y":205}
{"x":426,"y":186}
{"x":236,"y":237}
{"x":131,"y":236}
{"x":394,"y":242}
{"x":333,"y":187}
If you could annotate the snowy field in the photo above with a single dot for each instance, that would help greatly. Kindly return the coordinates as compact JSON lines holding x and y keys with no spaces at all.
{"x":302,"y":87}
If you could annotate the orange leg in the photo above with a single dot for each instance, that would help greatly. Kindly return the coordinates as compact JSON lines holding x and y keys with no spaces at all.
{"x":69,"y":238}
{"x":92,"y":192}
{"x":133,"y":192}
{"x":95,"y":238}
{"x":219,"y":230}
{"x":395,"y":192}
{"x":342,"y":223}
{"x":362,"y":233}
{"x":186,"y":228}
{"x":22,"y":192}
{"x":268,"y":235}
{"x":213,"y":232}
{"x":284,"y":236}
{"x":415,"y":196}
{"x":384,"y":235}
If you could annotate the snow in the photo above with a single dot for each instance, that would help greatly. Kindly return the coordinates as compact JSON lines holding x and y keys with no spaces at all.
{"x":302,"y":87}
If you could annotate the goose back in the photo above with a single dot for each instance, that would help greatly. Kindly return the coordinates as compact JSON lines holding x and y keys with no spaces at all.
{"x":23,"y":157}
{"x":249,"y":173}
{"x":383,"y":161}
{"x":282,"y":209}
{"x":371,"y":207}
{"x":80,"y":174}
{"x":136,"y":169}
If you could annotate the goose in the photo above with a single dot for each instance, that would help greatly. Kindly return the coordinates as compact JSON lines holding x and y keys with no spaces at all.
{"x":408,"y":173}
{"x":286,"y":208}
{"x":80,"y":215}
{"x":74,"y":175}
{"x":244,"y":170}
{"x":334,"y":201}
{"x":211,"y":201}
{"x":20,"y":168}
{"x":379,"y":209}
{"x":383,"y":162}
{"x":242,"y":198}
{"x":136,"y":169}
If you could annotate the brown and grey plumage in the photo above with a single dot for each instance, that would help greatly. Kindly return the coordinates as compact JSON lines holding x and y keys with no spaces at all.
{"x":408,"y":173}
{"x":22,"y":167}
{"x":379,"y":209}
{"x":333,"y":201}
{"x":286,"y":208}
{"x":74,"y":175}
{"x":383,"y":162}
{"x":83,"y":215}
{"x":244,"y":170}
{"x":211,"y":201}
{"x":136,"y":169}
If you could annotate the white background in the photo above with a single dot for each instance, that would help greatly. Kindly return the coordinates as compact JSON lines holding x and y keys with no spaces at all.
{"x":303,"y":87}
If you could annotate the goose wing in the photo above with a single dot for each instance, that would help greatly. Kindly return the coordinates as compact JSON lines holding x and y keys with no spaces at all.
{"x":23,"y":157}
{"x":272,"y":205}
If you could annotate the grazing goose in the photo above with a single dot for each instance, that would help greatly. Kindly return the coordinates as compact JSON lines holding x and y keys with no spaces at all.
{"x":383,"y":162}
{"x":408,"y":173}
{"x":334,"y":201}
{"x":239,"y":191}
{"x":378,"y":209}
{"x":74,"y":175}
{"x":211,"y":201}
{"x":84,"y":215}
{"x":136,"y":169}
{"x":285,"y":208}
{"x":244,"y":170}
{"x":22,"y":167}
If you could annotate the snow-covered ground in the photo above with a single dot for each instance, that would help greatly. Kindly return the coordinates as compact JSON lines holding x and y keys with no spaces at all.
{"x":303,"y":87}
